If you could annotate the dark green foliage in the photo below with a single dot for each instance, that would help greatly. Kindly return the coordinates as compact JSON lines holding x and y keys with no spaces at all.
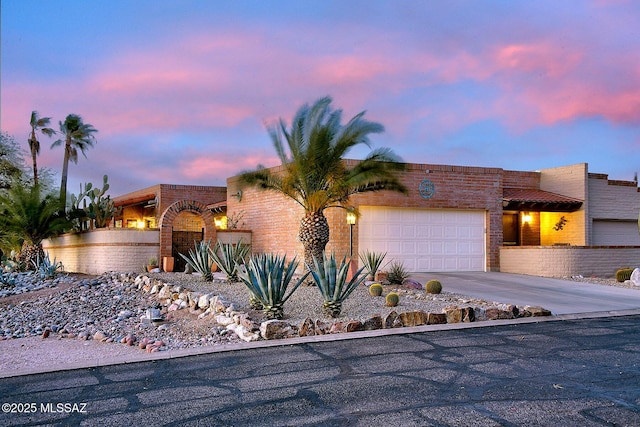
{"x":372,"y":261}
{"x":624,"y":274}
{"x":228,"y":256}
{"x":375,"y":289}
{"x":433,"y":287}
{"x":392,"y":299}
{"x":397,"y":273}
{"x":332,"y":283}
{"x":200,"y":260}
{"x":267,"y":276}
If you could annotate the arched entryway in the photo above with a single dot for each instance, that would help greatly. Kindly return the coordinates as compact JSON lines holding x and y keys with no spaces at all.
{"x":184,"y":222}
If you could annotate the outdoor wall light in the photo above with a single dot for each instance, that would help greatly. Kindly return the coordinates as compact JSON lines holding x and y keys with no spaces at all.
{"x":351,"y":218}
{"x":140,"y":224}
{"x":526,"y":219}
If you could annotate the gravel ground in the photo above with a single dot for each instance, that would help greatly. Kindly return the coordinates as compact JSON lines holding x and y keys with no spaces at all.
{"x":79,"y":306}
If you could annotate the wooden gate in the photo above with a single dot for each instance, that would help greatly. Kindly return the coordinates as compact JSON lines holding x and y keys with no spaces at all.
{"x":181,"y":243}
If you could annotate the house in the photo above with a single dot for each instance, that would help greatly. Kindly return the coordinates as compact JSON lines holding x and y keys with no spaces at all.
{"x":462,"y":218}
{"x":554,"y":222}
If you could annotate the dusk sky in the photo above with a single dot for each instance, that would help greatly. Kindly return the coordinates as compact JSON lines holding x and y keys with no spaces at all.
{"x":180,"y":91}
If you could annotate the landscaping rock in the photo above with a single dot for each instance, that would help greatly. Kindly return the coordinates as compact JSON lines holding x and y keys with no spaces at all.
{"x":277,"y":329}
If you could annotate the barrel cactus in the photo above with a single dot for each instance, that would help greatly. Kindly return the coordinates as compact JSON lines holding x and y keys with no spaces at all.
{"x":623,"y":274}
{"x":433,"y":287}
{"x":375,"y":289}
{"x":392,"y":299}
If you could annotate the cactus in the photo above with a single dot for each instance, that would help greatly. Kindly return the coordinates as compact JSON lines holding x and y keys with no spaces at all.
{"x":375,"y":289}
{"x":624,"y":274}
{"x":100,"y":208}
{"x":392,"y":299}
{"x":433,"y":287}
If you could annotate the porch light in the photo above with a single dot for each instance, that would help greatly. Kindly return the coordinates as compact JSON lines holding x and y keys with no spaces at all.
{"x":526,"y":219}
{"x":351,"y":218}
{"x":140,"y":224}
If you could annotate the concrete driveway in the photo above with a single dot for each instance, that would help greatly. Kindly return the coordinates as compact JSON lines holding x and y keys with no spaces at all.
{"x":559,"y":296}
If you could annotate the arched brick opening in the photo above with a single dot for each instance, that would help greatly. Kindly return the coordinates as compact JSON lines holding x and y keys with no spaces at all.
{"x":170,"y":214}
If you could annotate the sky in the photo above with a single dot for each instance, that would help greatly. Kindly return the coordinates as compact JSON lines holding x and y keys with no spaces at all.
{"x":182,"y":92}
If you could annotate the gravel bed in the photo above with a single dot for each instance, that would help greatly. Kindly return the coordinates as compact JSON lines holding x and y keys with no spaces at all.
{"x":73,"y":306}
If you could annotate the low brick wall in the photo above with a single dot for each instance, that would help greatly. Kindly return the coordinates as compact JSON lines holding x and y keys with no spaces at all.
{"x":562,"y":261}
{"x":103,"y":250}
{"x":116,"y":249}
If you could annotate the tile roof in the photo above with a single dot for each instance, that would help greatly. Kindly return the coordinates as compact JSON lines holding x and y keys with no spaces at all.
{"x":538,"y":200}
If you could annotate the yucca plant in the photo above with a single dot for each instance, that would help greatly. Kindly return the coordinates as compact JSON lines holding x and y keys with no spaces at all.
{"x":331,"y":280}
{"x":229,"y":256}
{"x":267,"y":276}
{"x":372,"y":261}
{"x":200,"y":260}
{"x":397,"y":273}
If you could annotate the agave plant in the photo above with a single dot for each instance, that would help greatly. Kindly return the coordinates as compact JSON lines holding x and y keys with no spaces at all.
{"x":46,"y":268}
{"x":267,"y":276}
{"x":372,"y":261}
{"x":200,"y":260}
{"x":331,"y":280}
{"x":229,"y":256}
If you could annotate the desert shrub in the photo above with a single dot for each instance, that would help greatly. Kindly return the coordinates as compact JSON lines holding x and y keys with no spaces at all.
{"x":200,"y":260}
{"x":372,"y":261}
{"x":397,"y":273}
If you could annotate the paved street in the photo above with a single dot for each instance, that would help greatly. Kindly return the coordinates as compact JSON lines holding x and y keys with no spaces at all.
{"x":563,"y":372}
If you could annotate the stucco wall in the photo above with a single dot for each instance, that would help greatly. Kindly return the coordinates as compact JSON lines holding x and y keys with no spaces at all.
{"x":563,"y":261}
{"x":103,"y":250}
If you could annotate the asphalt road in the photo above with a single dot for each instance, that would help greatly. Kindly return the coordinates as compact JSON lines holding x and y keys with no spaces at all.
{"x":560,"y":371}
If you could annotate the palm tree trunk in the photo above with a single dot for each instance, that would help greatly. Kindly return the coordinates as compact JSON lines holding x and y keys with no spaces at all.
{"x":65,"y":172}
{"x":314,"y":235}
{"x":34,"y":158}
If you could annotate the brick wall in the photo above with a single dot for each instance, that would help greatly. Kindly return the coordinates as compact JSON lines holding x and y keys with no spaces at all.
{"x":103,"y":250}
{"x":565,"y":261}
{"x":274,"y":219}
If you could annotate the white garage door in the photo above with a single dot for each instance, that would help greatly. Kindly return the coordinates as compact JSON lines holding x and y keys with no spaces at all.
{"x":425,"y":240}
{"x":615,"y":233}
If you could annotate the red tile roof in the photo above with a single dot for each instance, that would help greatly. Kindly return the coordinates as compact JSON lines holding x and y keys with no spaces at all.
{"x":538,"y":200}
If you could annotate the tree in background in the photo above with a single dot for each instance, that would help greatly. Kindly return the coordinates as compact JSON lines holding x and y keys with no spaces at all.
{"x":315,"y":173}
{"x":38,"y":124}
{"x":11,"y":161}
{"x":77,"y":136}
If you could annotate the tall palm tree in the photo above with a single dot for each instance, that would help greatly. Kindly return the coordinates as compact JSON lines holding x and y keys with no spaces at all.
{"x":37,"y":124}
{"x":77,"y":136}
{"x":315,"y":173}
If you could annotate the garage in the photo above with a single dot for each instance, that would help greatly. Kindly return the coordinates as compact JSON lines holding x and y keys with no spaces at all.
{"x":615,"y":233}
{"x":425,"y":240}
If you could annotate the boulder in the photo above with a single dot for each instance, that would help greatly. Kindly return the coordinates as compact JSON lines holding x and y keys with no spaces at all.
{"x":412,"y":284}
{"x":354,"y":326}
{"x":390,"y":320}
{"x":453,"y":313}
{"x":307,"y":328}
{"x":414,"y":318}
{"x":372,"y":323}
{"x":635,"y":277}
{"x":436,"y":319}
{"x":277,"y":329}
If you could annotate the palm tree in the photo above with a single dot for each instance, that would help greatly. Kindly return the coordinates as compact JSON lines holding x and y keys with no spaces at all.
{"x":78,"y":136}
{"x":37,"y":124}
{"x":315,"y":174}
{"x":27,"y":217}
